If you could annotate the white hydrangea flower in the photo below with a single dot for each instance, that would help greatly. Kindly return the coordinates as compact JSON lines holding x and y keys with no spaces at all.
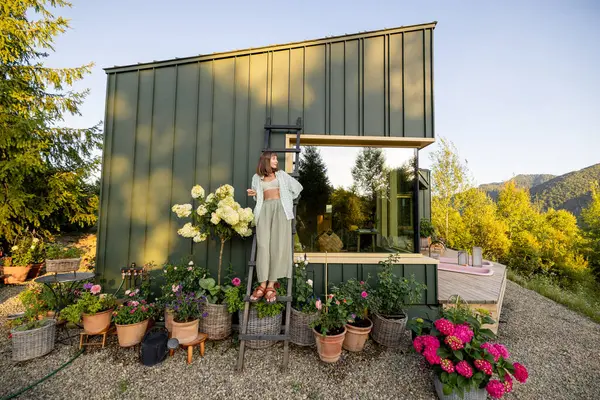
{"x":191,"y":263}
{"x":224,"y":191}
{"x":197,"y":192}
{"x":246,"y":214}
{"x":309,"y":282}
{"x":201,"y":210}
{"x":210,"y":197}
{"x":227,"y":201}
{"x":182,"y":210}
{"x":200,"y":237}
{"x":188,"y":231}
{"x":215,"y":219}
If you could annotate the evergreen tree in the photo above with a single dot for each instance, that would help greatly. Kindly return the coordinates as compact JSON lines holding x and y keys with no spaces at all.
{"x":370,"y":176}
{"x":44,"y":168}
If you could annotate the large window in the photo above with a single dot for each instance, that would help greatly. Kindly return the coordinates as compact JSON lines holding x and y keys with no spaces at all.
{"x":356,"y":200}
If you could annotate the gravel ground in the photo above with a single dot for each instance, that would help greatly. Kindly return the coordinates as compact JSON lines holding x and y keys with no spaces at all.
{"x":559,"y":347}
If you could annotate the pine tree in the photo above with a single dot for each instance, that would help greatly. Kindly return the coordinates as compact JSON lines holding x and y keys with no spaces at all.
{"x":370,"y":176}
{"x":44,"y":168}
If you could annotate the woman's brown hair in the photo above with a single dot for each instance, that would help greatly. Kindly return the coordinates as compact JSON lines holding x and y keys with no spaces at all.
{"x":264,"y":164}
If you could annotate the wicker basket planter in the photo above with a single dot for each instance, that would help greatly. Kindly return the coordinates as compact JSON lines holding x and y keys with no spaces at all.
{"x":265,"y":326}
{"x":472,"y":394}
{"x":63,"y":265}
{"x":33,"y":343}
{"x":301,"y":333}
{"x":217,"y":324}
{"x":388,"y":331}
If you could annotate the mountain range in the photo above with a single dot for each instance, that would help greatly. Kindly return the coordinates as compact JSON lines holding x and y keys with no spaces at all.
{"x":570,"y":191}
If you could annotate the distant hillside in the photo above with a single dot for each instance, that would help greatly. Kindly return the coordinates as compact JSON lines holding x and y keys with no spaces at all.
{"x":569,"y":191}
{"x":522,"y":181}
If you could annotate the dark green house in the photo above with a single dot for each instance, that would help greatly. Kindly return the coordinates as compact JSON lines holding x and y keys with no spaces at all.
{"x":200,"y":120}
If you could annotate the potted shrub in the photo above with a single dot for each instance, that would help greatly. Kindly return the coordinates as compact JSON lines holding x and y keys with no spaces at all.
{"x":37,"y":257}
{"x":187,"y":312}
{"x":219,"y":215}
{"x":357,"y":330}
{"x":131,"y":318}
{"x":304,"y":311}
{"x":61,"y":258}
{"x":32,"y":337}
{"x":93,"y":307}
{"x":389,"y":302}
{"x":17,"y":267}
{"x":330,"y":327}
{"x":464,"y":359}
{"x":426,"y":231}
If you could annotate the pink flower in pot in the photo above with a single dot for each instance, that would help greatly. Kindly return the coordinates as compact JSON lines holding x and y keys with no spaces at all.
{"x":96,"y":289}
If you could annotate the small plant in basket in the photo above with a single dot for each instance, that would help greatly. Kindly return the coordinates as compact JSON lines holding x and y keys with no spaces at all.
{"x":303,"y":298}
{"x":56,"y":251}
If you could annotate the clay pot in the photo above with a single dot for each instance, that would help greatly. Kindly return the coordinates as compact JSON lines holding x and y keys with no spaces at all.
{"x":356,"y":336}
{"x":169,"y":320}
{"x":16,"y":274}
{"x":96,"y":323}
{"x":35,"y":270}
{"x":329,"y":347}
{"x":131,"y":334}
{"x":185,"y":332}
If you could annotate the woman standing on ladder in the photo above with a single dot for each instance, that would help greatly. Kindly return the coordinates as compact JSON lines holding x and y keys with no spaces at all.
{"x":274,"y":192}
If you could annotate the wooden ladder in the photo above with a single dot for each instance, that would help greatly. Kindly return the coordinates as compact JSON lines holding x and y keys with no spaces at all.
{"x":243,"y":335}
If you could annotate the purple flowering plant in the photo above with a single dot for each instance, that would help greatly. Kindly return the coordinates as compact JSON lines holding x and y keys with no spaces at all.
{"x":187,"y":306}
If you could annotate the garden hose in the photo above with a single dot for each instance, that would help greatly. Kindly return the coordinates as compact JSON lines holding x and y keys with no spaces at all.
{"x":20,"y":392}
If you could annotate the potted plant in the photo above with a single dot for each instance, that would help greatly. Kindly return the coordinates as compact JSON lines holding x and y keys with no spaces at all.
{"x":330,"y":327}
{"x":464,"y":359}
{"x":357,"y":330}
{"x":304,"y":311}
{"x":426,"y":231}
{"x":61,"y":258}
{"x":93,"y":307}
{"x":17,"y":267}
{"x":389,"y":302}
{"x":131,"y":318}
{"x":217,"y":324}
{"x":187,"y":312}
{"x":419,"y":326}
{"x":31,"y":336}
{"x":37,"y":257}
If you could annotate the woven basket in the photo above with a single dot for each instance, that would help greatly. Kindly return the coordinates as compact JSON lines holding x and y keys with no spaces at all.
{"x":33,"y":343}
{"x":388,"y":332}
{"x":264,"y":326}
{"x":300,"y":331}
{"x":472,"y":394}
{"x":63,"y":265}
{"x":330,"y":242}
{"x":217,"y":324}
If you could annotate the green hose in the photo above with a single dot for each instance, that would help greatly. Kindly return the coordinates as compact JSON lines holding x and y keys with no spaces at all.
{"x":20,"y":392}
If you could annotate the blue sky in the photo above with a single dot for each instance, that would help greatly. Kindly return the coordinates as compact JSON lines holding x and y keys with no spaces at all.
{"x":517,"y":87}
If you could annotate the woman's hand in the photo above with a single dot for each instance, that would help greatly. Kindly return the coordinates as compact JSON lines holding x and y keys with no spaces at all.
{"x":251,"y":192}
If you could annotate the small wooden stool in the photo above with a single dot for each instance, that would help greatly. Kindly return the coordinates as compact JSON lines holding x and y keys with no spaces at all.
{"x":84,"y":338}
{"x":199,"y":341}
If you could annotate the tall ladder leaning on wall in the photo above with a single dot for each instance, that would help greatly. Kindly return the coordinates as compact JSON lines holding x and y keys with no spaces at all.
{"x":243,"y":336}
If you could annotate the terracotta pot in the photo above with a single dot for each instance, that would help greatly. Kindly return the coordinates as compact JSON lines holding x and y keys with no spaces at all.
{"x":169,"y":320}
{"x":16,"y":274}
{"x":35,"y":270}
{"x":329,"y":347}
{"x":96,"y":323}
{"x":356,"y":337}
{"x":185,"y":332}
{"x":132,"y":334}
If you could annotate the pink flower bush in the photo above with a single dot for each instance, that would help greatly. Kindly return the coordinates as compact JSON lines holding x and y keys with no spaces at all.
{"x":454,"y":342}
{"x":502,"y":350}
{"x":447,"y":365}
{"x":95,"y":289}
{"x":492,"y":350}
{"x":521,"y":373}
{"x":236,"y":282}
{"x":364,"y":294}
{"x":495,"y":388}
{"x":464,"y":369}
{"x":463,"y":332}
{"x":508,"y":383}
{"x":484,"y":366}
{"x":431,"y":356}
{"x":444,"y":326}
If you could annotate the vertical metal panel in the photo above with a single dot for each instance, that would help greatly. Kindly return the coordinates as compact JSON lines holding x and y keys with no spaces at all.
{"x":296,"y":84}
{"x":184,"y":151}
{"x":396,"y":78}
{"x":336,"y":113}
{"x":121,"y":173}
{"x":314,"y":91}
{"x":374,"y":87}
{"x":351,"y":78}
{"x":414,"y":85}
{"x":280,"y":87}
{"x":428,"y":91}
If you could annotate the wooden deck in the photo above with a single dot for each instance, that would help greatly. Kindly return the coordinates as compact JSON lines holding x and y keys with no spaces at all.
{"x":485,"y":292}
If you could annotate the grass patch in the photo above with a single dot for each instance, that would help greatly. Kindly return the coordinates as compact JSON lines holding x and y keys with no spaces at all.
{"x":123,"y":384}
{"x":580,"y":297}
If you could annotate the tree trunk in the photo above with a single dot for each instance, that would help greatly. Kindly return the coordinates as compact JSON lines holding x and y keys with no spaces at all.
{"x":220,"y":262}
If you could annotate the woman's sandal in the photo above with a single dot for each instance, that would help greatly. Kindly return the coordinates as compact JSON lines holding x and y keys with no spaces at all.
{"x":258,"y":293}
{"x":270,"y":295}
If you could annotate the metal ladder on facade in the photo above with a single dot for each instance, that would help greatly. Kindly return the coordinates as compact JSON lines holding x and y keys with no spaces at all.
{"x":243,"y":335}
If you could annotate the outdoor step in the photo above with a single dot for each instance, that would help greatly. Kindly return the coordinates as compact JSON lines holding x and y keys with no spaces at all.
{"x":281,"y":299}
{"x":264,"y":337}
{"x":288,"y":150}
{"x":283,"y":127}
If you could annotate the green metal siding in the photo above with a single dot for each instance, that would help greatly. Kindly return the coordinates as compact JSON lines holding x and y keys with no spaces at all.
{"x":200,"y":120}
{"x":425,"y":195}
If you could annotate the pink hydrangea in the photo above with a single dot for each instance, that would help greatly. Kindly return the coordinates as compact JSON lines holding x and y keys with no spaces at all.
{"x":521,"y":373}
{"x":236,"y":281}
{"x":495,"y":388}
{"x":431,"y":342}
{"x":444,"y":326}
{"x":464,"y":369}
{"x":431,"y":356}
{"x":418,"y":344}
{"x":454,"y":342}
{"x":508,"y":383}
{"x":502,"y":350}
{"x":463,"y":332}
{"x":447,"y":365}
{"x":95,"y":289}
{"x":491,"y":348}
{"x":484,"y":365}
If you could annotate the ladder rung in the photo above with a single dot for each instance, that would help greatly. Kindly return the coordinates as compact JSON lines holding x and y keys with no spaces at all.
{"x":288,"y":150}
{"x":283,"y":127}
{"x":252,"y":263}
{"x":264,"y":337}
{"x":281,"y":299}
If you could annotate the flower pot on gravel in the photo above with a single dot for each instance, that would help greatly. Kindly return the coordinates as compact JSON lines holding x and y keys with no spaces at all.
{"x":472,"y":394}
{"x":185,"y":332}
{"x":216,"y":322}
{"x":96,"y":323}
{"x":357,"y":334}
{"x":131,"y":334}
{"x":169,"y":320}
{"x":32,"y":343}
{"x":265,"y":326}
{"x":16,"y":274}
{"x":388,"y":330}
{"x":329,"y":347}
{"x":301,"y":333}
